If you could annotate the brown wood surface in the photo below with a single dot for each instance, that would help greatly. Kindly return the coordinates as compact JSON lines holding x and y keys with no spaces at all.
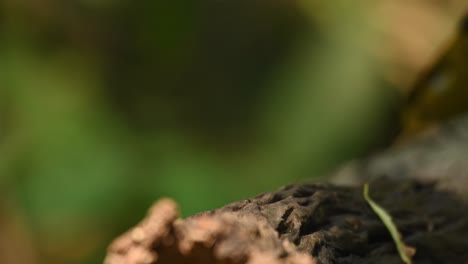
{"x":422,"y":185}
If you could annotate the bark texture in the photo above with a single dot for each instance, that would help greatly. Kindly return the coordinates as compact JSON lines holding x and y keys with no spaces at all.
{"x":422,"y":185}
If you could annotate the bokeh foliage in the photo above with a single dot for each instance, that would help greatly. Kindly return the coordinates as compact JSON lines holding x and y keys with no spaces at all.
{"x":108,"y":105}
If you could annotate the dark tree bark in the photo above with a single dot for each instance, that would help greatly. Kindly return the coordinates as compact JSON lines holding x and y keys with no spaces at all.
{"x":422,"y":185}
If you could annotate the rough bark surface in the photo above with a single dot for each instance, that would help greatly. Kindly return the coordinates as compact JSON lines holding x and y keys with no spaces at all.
{"x":422,"y":185}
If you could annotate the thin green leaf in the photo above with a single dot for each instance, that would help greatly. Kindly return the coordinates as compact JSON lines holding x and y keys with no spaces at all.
{"x":403,"y":250}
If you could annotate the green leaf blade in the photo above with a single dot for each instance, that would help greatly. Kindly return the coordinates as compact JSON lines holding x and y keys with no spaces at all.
{"x":390,"y":225}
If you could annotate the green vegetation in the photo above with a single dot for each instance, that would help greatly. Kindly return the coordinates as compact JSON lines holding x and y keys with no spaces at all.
{"x":106,"y":106}
{"x":388,"y":222}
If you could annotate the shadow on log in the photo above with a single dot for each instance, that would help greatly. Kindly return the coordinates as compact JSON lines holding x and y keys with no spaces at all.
{"x":422,"y":185}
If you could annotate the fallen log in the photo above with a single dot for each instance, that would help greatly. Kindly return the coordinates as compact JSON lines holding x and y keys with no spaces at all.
{"x":423,"y":185}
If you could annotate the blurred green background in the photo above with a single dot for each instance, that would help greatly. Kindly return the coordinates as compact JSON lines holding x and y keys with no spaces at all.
{"x":108,"y":105}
